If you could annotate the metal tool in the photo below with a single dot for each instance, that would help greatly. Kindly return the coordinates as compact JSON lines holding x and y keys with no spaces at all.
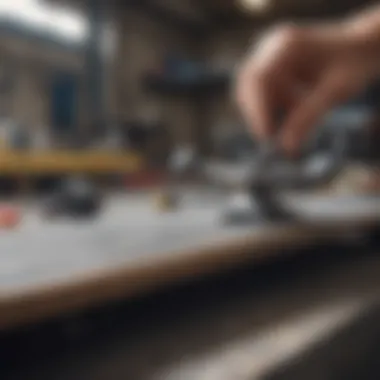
{"x":272,"y":175}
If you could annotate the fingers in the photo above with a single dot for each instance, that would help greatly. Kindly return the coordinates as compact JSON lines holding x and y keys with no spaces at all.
{"x":331,"y":91}
{"x":261,"y":91}
{"x":254,"y":101}
{"x":261,"y":99}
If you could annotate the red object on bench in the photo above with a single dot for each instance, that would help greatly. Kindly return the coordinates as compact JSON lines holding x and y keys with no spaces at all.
{"x":9,"y":217}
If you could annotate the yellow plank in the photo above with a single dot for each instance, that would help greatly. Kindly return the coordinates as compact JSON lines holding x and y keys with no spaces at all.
{"x":12,"y":162}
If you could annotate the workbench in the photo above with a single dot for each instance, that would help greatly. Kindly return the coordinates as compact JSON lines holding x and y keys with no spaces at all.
{"x":49,"y":268}
{"x":305,"y":317}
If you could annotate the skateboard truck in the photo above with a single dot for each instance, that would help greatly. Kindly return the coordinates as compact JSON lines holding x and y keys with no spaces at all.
{"x":271,"y":175}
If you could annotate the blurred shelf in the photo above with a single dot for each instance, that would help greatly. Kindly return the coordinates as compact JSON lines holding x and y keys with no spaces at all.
{"x":93,"y":162}
{"x":198,"y":86}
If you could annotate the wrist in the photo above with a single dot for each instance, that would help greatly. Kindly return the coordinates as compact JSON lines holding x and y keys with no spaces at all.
{"x":363,"y":33}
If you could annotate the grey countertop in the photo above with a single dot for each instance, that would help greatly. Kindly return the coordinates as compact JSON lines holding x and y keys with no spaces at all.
{"x":132,"y":234}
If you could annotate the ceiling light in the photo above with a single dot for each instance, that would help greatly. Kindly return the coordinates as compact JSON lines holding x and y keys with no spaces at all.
{"x":254,"y":5}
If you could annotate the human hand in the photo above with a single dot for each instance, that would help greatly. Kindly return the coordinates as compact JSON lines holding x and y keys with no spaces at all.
{"x":302,"y":72}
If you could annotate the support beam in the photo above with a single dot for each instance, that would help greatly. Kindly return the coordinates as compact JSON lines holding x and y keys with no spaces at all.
{"x":95,"y":67}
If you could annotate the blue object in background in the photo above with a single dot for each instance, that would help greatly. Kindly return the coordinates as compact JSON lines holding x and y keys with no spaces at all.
{"x":182,"y":69}
{"x":64,"y":102}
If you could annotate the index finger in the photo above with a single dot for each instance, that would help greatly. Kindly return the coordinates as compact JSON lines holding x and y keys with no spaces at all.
{"x":253,"y":98}
{"x":330,"y":92}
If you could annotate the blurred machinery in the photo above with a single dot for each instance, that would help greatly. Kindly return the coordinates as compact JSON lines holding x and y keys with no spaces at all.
{"x":75,"y":197}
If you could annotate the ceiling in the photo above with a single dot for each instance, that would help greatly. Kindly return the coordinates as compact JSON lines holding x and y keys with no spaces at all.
{"x":203,"y":15}
{"x":232,"y":9}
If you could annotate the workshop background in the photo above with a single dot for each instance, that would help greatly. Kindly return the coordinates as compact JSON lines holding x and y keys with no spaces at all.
{"x":107,"y":105}
{"x":142,"y":80}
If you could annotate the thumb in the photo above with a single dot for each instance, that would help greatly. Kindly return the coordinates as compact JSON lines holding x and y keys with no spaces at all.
{"x":332,"y":90}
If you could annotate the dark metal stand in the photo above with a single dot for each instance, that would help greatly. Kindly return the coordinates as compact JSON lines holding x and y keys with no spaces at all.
{"x":274,"y":175}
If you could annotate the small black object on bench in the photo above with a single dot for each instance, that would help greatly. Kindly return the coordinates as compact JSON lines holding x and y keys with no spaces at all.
{"x":76,"y":197}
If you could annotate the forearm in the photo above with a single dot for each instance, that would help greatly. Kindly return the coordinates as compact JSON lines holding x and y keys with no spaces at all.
{"x":359,"y":31}
{"x":366,"y":22}
{"x":363,"y":28}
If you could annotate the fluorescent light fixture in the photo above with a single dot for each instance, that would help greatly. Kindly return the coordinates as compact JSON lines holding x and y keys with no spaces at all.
{"x":66,"y":23}
{"x":254,"y":5}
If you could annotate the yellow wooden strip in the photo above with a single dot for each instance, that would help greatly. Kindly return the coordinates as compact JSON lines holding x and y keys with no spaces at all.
{"x":61,"y":162}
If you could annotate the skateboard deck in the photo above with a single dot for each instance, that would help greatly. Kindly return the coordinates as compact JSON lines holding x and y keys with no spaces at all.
{"x":52,"y":268}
